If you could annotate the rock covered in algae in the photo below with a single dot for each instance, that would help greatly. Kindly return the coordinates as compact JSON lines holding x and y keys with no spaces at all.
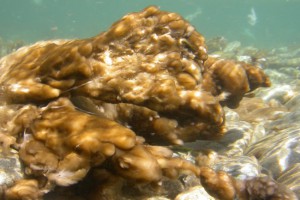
{"x":153,"y":59}
{"x":273,"y":113}
{"x":149,"y":75}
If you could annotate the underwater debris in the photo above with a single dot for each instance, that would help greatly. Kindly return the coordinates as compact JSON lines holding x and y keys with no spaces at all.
{"x":252,"y":18}
{"x":149,"y":68}
{"x":193,"y":16}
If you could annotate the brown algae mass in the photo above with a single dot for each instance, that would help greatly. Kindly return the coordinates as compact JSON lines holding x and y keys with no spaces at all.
{"x":147,"y":81}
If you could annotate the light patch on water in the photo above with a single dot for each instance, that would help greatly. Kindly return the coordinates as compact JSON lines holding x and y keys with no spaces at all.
{"x":249,"y":34}
{"x":283,"y":162}
{"x":37,"y":2}
{"x":194,"y":15}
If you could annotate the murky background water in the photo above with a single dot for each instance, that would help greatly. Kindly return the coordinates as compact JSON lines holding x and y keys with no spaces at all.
{"x":261,"y":23}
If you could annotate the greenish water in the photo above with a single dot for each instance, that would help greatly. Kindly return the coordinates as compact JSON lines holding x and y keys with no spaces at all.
{"x":277,"y":21}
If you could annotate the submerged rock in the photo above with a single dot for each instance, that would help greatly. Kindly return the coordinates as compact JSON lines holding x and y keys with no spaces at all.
{"x":291,"y":178}
{"x":197,"y":192}
{"x":147,"y":81}
{"x":10,"y":169}
{"x":278,"y":150}
{"x":294,"y":103}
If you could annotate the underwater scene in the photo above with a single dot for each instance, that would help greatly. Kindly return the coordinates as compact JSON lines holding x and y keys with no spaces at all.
{"x":149,"y":100}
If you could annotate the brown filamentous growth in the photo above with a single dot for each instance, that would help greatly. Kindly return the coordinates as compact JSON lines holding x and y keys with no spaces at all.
{"x":153,"y":59}
{"x":222,"y":186}
{"x":147,"y":78}
{"x":235,"y":78}
{"x":63,"y":144}
{"x":24,"y":189}
{"x":266,"y":188}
